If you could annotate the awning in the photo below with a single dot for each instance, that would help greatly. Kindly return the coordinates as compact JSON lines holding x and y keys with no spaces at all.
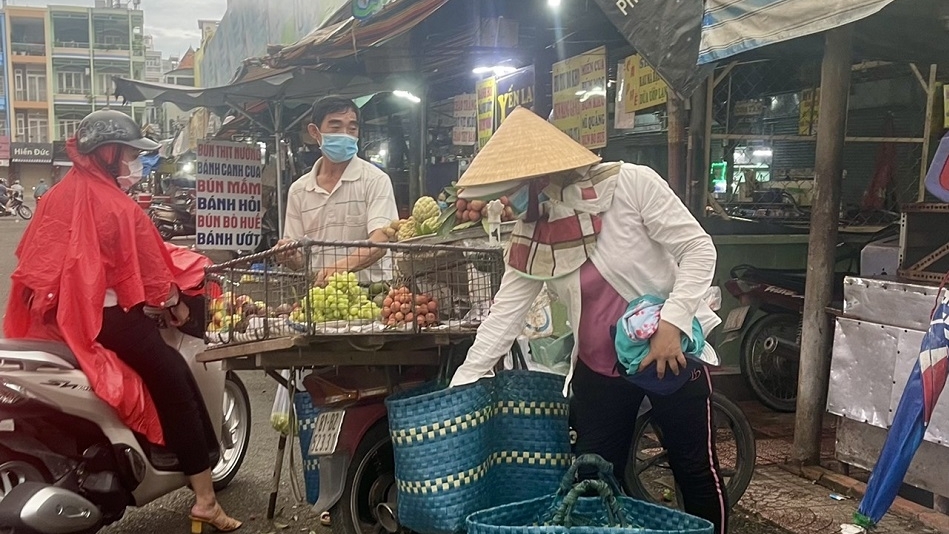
{"x":286,"y":85}
{"x":345,"y":38}
{"x":666,"y":34}
{"x":731,"y":27}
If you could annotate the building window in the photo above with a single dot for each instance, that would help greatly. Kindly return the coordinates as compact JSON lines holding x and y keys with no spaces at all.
{"x":73,"y":83}
{"x":104,"y":84}
{"x":29,"y":85}
{"x":68,"y":127}
{"x":20,"y":126}
{"x":18,"y":84}
{"x":32,"y":127}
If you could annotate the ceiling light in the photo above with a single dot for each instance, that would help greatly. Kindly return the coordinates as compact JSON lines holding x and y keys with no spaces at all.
{"x":408,"y":96}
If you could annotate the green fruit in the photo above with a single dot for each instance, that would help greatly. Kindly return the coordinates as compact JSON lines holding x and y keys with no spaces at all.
{"x":425,"y":208}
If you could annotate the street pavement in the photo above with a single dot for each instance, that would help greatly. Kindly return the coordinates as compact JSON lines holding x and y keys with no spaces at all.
{"x":775,"y":503}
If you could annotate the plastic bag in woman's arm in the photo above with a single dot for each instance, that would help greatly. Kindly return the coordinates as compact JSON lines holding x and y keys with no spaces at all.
{"x":499,"y":331}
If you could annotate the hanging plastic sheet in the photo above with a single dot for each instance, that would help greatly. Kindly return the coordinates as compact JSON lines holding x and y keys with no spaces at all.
{"x":667,"y":34}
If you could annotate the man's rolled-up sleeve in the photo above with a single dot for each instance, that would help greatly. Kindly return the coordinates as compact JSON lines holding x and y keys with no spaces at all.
{"x":381,"y":208}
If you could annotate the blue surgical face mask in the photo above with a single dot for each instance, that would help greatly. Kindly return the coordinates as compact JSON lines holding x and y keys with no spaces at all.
{"x":339,"y":148}
{"x":520,"y":200}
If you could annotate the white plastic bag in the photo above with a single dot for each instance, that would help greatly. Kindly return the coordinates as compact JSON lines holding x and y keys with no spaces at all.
{"x":281,"y":416}
{"x":540,"y":322}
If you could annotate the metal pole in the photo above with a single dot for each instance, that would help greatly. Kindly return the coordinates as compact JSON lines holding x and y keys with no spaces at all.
{"x":278,"y":144}
{"x":709,"y":95}
{"x":675,"y":137}
{"x":817,"y":339}
{"x":423,"y":143}
{"x":927,"y":132}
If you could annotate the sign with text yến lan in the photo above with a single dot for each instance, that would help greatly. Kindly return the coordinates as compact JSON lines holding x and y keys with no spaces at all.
{"x":644,"y":87}
{"x":513,"y":90}
{"x":579,"y":91}
{"x":228,"y":204}
{"x":486,"y":91}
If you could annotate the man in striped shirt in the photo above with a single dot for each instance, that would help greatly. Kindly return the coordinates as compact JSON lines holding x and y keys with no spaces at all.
{"x":343,"y":198}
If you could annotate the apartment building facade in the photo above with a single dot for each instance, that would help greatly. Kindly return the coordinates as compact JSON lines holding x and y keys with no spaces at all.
{"x":58,"y":64}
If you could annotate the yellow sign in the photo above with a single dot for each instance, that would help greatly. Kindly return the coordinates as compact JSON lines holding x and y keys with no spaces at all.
{"x":486,"y":90}
{"x":644,"y":87}
{"x":810,"y":109}
{"x":579,"y":91}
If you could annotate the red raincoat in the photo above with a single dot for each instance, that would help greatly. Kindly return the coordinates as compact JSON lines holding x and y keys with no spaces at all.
{"x":88,"y":236}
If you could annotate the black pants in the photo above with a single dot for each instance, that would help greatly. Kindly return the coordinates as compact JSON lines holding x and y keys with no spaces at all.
{"x":603,"y":413}
{"x":185,"y":422}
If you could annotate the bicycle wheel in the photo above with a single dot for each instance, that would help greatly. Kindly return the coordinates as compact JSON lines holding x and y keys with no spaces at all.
{"x":25,"y":212}
{"x":649,"y":477}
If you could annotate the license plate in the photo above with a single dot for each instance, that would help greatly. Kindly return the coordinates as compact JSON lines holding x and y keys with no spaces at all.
{"x":736,"y":319}
{"x":326,"y":433}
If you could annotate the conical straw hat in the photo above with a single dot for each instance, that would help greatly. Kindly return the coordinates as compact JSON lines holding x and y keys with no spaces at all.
{"x":525,"y":146}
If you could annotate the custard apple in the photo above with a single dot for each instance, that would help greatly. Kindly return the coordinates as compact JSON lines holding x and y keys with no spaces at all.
{"x":407,"y":230}
{"x":430,"y":226}
{"x":425,"y":208}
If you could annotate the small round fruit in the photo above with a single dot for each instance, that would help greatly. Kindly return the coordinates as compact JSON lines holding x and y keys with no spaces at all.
{"x":461,"y":204}
{"x":421,"y":309}
{"x":387,"y":302}
{"x":386,"y":312}
{"x":391,"y":322}
{"x":477,"y":205}
{"x":474,"y":216}
{"x":406,"y":308}
{"x":399,"y":317}
{"x":421,"y":299}
{"x":409,"y":317}
{"x":432,"y":306}
{"x":430,"y":318}
{"x":504,"y":201}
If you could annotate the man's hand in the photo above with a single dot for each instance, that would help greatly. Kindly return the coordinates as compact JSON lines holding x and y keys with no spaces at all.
{"x":665,"y":348}
{"x":323,"y":275}
{"x":291,"y":258}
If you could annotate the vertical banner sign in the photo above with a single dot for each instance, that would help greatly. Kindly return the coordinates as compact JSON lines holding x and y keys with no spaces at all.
{"x":579,"y":87}
{"x":810,"y":106}
{"x":465,"y":131}
{"x":622,"y":119}
{"x":644,"y":87}
{"x":515,"y":89}
{"x":228,"y":196}
{"x":487,"y":92}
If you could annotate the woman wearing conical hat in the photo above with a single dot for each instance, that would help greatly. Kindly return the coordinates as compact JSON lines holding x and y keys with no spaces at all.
{"x":633,"y":268}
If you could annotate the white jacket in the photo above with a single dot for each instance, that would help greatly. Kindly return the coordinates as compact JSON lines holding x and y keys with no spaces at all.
{"x":649,"y":244}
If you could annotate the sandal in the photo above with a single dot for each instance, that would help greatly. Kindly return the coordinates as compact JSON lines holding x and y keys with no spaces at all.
{"x":325,"y":519}
{"x":220,"y":522}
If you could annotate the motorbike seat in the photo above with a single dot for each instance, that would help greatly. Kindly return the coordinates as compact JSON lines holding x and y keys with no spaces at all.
{"x":40,"y":345}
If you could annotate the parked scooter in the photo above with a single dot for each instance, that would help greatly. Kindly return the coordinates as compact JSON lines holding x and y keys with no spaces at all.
{"x":174,"y":217}
{"x":68,"y":465}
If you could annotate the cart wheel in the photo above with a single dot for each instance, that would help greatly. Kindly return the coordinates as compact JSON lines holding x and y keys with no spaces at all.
{"x":770,"y":373}
{"x":370,"y":482}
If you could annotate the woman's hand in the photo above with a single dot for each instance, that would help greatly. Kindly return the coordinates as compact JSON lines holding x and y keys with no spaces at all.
{"x":177,"y":315}
{"x":665,"y":349}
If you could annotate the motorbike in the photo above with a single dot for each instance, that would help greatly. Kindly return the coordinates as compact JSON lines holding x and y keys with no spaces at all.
{"x":19,"y":208}
{"x":68,"y":465}
{"x":174,"y":217}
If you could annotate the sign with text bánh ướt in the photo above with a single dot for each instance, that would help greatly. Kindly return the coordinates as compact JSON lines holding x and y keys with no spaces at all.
{"x":228,"y":204}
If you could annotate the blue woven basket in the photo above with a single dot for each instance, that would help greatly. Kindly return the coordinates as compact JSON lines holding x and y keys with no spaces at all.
{"x":461,"y":450}
{"x":567,"y":512}
{"x":306,"y":419}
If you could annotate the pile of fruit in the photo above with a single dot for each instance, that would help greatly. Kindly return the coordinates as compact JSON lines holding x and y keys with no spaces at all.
{"x":475,"y":210}
{"x":341,"y":300}
{"x":426,"y":219}
{"x":400,"y":307}
{"x":232,"y":313}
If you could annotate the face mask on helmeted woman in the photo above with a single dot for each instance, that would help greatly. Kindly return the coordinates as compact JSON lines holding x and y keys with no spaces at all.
{"x":135,"y":174}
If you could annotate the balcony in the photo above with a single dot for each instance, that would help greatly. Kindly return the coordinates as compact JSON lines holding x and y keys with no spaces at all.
{"x":72,"y":96}
{"x":70,"y":49}
{"x":106,"y":51}
{"x":28,"y":52}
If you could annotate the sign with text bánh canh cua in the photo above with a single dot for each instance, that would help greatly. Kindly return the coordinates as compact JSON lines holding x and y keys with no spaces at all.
{"x":579,"y":95}
{"x":228,"y":204}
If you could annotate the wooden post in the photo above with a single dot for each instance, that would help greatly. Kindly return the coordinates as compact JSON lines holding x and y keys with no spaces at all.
{"x":927,"y":132}
{"x":817,"y":339}
{"x":696,"y":174}
{"x":675,"y":110}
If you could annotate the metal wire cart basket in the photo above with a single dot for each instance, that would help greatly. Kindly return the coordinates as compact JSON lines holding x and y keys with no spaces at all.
{"x":314,"y":288}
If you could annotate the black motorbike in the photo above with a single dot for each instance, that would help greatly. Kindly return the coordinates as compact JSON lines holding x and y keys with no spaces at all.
{"x":17,"y":207}
{"x":174,"y":217}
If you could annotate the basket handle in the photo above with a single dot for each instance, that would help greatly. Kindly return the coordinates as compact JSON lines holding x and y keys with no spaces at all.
{"x":614,"y":512}
{"x":604,"y":471}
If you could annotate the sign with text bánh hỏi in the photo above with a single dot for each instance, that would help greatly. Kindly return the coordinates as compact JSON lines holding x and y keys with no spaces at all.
{"x":228,"y":204}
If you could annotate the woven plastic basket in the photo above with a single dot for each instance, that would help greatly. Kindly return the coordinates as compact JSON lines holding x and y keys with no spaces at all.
{"x":569,"y":511}
{"x":306,"y":418}
{"x":465,"y":449}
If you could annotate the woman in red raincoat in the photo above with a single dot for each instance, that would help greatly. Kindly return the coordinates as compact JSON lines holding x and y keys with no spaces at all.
{"x":94,"y":273}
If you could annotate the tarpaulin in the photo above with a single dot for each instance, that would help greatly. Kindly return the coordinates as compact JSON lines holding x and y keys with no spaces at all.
{"x":915,"y":409}
{"x":666,"y":34}
{"x":731,"y":27}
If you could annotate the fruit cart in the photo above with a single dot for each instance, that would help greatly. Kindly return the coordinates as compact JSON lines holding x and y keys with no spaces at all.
{"x":361,"y":332}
